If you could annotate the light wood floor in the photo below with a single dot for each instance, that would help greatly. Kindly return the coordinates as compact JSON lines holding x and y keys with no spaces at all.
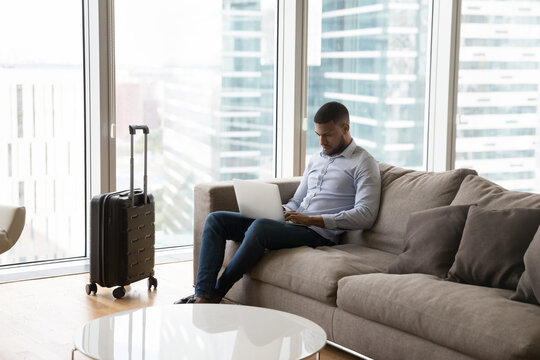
{"x":38,"y":318}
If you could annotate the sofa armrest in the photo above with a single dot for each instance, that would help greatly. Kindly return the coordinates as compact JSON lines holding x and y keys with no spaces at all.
{"x":219,"y":196}
{"x":12,"y":220}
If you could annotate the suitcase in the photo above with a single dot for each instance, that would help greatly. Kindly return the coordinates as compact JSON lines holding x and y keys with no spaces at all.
{"x":122,"y":234}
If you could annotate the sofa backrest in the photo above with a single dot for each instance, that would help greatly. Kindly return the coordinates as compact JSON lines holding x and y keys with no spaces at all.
{"x":487,"y":194}
{"x":403,"y":192}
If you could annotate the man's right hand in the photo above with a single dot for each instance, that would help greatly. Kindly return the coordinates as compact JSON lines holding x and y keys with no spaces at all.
{"x":302,"y":219}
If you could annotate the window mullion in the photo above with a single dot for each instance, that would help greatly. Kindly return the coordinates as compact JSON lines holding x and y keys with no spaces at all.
{"x":100,"y":93}
{"x":291,"y":98}
{"x":443,"y":85}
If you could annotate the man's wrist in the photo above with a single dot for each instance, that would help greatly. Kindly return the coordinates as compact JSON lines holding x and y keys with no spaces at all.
{"x":316,"y":220}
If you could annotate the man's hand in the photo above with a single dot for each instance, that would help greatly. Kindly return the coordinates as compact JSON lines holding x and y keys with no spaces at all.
{"x":302,"y":219}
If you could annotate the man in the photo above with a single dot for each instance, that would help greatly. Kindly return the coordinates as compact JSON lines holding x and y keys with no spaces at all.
{"x":340,"y":190}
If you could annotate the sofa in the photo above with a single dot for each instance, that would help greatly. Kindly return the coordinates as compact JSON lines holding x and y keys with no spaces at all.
{"x":347,"y":291}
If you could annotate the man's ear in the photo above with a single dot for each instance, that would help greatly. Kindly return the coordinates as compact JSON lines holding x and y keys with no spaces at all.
{"x":346,"y":127}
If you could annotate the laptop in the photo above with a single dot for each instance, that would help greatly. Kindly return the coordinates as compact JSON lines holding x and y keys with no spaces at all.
{"x":257,"y":199}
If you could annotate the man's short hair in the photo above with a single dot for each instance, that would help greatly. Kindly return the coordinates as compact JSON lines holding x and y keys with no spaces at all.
{"x":332,"y":111}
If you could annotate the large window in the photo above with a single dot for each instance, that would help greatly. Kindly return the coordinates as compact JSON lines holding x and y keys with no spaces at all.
{"x":371,"y":56}
{"x":498,"y":123}
{"x":201,"y":75}
{"x":42,"y":126}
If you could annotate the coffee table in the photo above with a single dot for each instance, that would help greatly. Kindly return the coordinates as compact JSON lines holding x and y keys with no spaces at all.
{"x":200,"y":331}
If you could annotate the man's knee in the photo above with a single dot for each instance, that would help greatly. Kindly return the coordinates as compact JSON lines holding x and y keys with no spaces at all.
{"x":262,"y":225}
{"x":215,"y":218}
{"x":259,"y":231}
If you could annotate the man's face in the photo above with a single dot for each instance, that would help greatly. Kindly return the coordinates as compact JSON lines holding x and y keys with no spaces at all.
{"x":332,"y":137}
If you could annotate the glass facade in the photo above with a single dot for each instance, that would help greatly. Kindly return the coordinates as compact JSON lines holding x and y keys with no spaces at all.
{"x":42,"y":119}
{"x":498,"y":126}
{"x":202,"y":76}
{"x":207,"y":99}
{"x":371,"y":56}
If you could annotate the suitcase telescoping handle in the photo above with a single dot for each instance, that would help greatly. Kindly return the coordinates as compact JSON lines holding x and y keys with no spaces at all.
{"x":132,"y":130}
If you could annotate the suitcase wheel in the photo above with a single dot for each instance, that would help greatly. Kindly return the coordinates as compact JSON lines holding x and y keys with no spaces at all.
{"x":152,"y":281}
{"x":119,"y":292}
{"x":91,"y":288}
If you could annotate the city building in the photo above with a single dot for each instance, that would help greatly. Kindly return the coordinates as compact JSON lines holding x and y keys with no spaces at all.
{"x":373,"y":59}
{"x":42,"y":159}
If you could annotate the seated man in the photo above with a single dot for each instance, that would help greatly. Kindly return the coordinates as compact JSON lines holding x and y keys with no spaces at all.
{"x":340,"y":190}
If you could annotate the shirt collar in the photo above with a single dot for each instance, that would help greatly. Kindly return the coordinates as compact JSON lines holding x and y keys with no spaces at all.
{"x":347,"y":153}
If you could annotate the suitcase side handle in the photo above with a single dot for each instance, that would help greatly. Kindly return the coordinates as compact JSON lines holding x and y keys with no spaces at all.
{"x":132,"y":130}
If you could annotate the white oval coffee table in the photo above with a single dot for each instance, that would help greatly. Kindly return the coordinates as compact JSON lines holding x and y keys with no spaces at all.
{"x":204,"y":331}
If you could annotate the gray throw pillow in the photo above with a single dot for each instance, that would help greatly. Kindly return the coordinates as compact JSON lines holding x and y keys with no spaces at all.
{"x":528,"y":289}
{"x":492,"y":246}
{"x":431,"y":241}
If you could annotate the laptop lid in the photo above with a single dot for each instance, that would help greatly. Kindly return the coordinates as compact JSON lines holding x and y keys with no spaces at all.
{"x":257,"y":199}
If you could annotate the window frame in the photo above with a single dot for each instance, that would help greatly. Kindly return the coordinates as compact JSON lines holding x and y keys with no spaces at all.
{"x":289,"y":101}
{"x":291,"y":88}
{"x":441,"y":124}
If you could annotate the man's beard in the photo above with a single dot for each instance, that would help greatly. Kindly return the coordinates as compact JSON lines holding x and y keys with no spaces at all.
{"x":338,"y":149}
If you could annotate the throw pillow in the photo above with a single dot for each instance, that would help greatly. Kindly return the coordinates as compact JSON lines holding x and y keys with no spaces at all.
{"x":478,"y":190}
{"x":528,"y":289}
{"x":431,"y":241}
{"x":492,"y":246}
{"x":403,"y":192}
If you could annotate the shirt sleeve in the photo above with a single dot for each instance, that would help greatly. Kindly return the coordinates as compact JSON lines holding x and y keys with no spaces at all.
{"x":301,"y":192}
{"x":366,"y":203}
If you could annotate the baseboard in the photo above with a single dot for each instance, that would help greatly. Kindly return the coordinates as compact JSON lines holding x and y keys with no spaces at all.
{"x":63,"y":267}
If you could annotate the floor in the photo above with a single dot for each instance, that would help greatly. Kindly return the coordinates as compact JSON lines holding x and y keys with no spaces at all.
{"x":40,"y":317}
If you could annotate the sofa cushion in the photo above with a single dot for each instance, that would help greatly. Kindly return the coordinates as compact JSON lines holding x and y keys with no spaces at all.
{"x":492,"y":247}
{"x":528,"y":289}
{"x":478,"y":321}
{"x":315,"y":272}
{"x":405,"y":191}
{"x":488,"y":195}
{"x":431,"y":241}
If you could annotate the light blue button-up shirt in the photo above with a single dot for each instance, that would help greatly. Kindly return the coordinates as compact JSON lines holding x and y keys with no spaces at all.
{"x":344,"y":189}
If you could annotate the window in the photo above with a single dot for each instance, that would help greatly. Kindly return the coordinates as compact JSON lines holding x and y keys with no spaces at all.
{"x":41,"y":107}
{"x":498,"y":92}
{"x":202,"y":76}
{"x":207,"y":99}
{"x":371,"y":56}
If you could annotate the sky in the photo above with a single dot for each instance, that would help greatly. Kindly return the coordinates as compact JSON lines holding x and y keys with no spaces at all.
{"x":147,"y":33}
{"x":34,"y":32}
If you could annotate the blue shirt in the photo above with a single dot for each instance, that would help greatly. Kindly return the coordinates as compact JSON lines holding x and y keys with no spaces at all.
{"x":344,"y":189}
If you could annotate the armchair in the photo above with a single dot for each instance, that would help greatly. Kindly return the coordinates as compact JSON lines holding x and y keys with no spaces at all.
{"x":11,"y":225}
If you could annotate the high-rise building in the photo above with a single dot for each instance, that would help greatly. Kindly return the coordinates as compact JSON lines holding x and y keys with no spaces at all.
{"x":218,"y":122}
{"x":373,"y":60}
{"x":42,"y":159}
{"x":498,"y":95}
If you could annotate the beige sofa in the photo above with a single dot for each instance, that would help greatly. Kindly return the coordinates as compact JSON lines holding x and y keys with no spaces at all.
{"x":345,"y":289}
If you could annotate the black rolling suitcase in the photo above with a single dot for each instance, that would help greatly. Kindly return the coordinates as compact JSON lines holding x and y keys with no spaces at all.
{"x":122,"y":235}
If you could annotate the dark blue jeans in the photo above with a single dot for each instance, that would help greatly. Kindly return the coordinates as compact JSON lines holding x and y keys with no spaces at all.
{"x":255,"y":235}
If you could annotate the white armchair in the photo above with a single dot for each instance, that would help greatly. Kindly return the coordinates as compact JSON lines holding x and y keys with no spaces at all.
{"x":11,"y":225}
